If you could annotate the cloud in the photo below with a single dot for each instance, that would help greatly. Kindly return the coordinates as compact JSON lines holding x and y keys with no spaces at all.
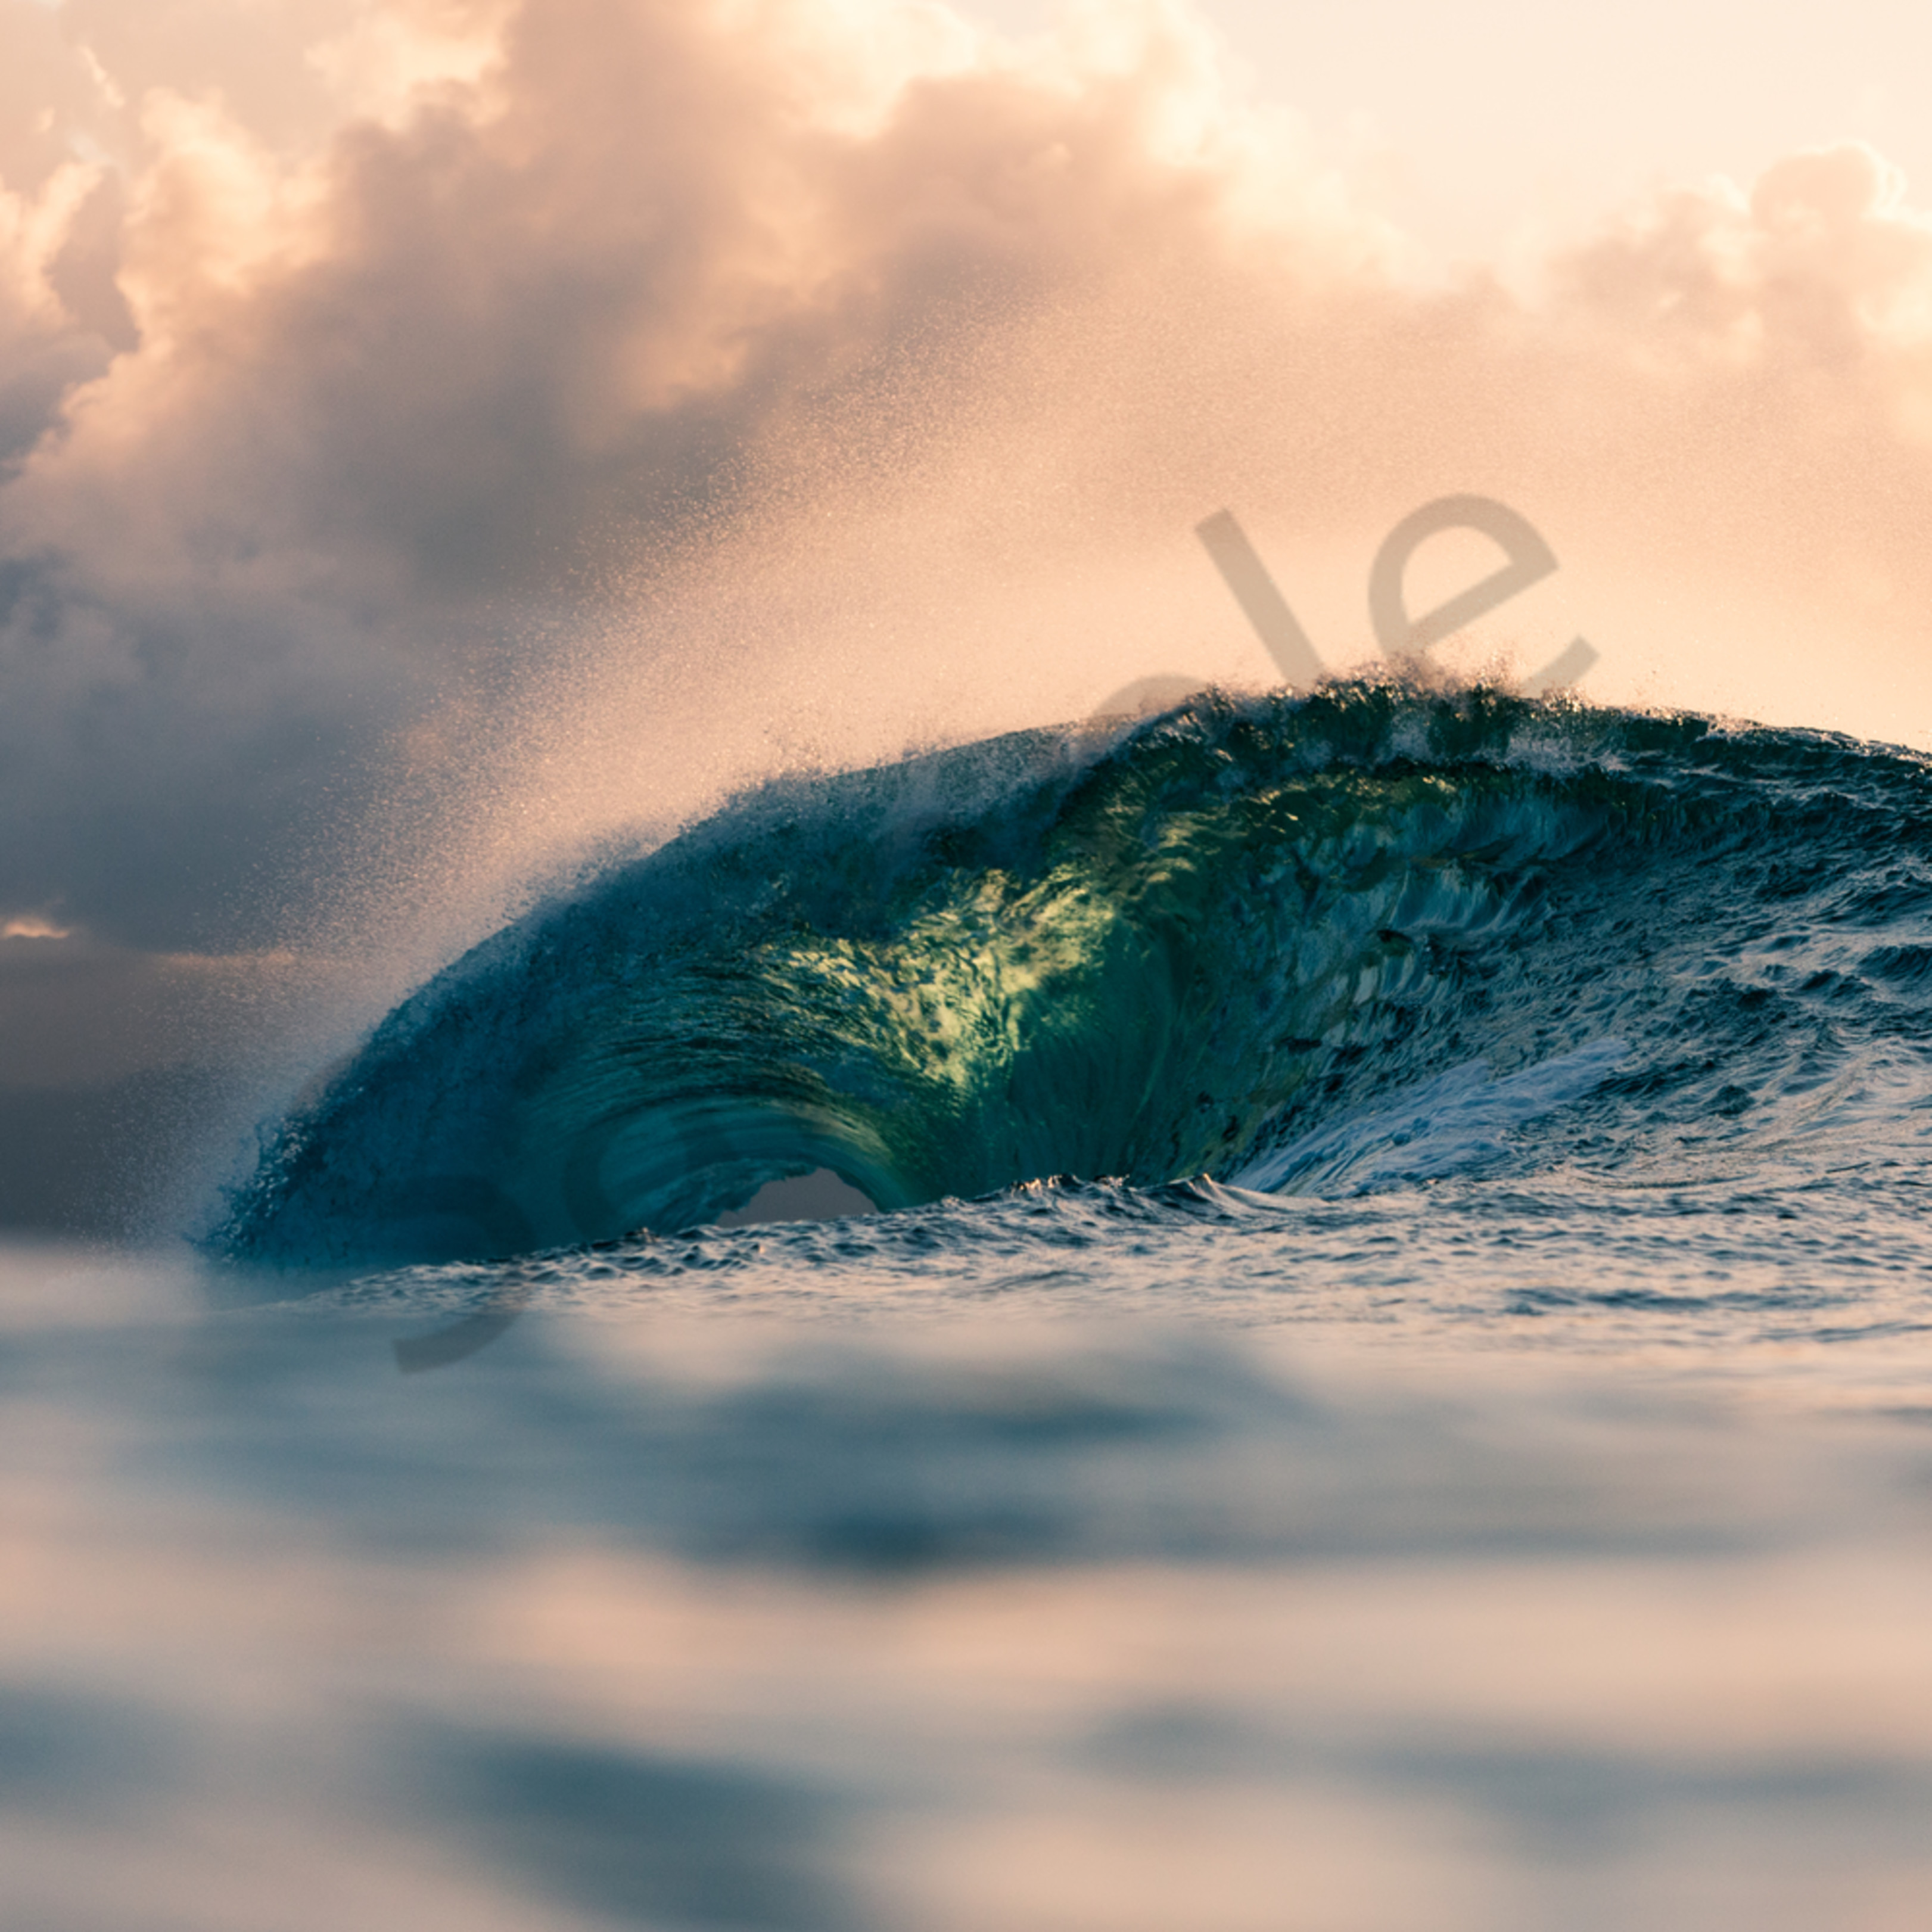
{"x":553,"y":273}
{"x":463,"y":406}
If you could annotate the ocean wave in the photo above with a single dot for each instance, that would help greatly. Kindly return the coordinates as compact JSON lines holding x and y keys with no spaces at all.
{"x":1316,"y":944}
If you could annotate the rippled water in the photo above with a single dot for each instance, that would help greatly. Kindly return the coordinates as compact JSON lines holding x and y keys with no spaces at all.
{"x":782,"y":1583}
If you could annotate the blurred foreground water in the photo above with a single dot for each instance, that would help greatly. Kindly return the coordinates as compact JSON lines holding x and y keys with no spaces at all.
{"x":1263,"y":1565}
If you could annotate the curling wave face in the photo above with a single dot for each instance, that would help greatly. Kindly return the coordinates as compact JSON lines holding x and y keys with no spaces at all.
{"x":1298,"y":945}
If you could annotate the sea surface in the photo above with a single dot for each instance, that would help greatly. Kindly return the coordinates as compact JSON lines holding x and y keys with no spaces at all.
{"x":1355,"y":1354}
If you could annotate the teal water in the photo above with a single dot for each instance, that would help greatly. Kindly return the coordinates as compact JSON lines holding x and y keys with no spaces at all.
{"x":1271,"y":944}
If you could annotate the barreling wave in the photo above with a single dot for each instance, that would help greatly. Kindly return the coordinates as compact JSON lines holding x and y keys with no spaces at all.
{"x":1278,"y":942}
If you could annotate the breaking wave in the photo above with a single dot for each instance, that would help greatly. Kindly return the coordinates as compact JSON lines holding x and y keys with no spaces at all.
{"x":1320,"y":944}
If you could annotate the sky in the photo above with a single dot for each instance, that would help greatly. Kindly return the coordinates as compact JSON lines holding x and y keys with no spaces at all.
{"x":1492,"y":129}
{"x":440,"y":439}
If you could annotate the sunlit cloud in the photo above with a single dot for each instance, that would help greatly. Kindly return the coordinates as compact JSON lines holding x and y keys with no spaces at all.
{"x":427,"y":414}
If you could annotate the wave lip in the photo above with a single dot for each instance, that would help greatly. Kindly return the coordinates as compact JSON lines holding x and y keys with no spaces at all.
{"x":1319,"y":944}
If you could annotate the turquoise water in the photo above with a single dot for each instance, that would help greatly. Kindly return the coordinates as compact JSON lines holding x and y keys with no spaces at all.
{"x":1270,"y":943}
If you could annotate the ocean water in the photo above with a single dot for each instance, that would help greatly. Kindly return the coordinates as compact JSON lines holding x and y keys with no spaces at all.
{"x":1369,"y":1367}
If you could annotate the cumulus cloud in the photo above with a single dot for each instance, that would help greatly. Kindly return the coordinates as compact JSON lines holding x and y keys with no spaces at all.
{"x":543,"y":282}
{"x":814,"y":372}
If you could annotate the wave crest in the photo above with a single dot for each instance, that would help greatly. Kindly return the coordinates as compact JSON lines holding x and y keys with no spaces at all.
{"x":1188,"y":947}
